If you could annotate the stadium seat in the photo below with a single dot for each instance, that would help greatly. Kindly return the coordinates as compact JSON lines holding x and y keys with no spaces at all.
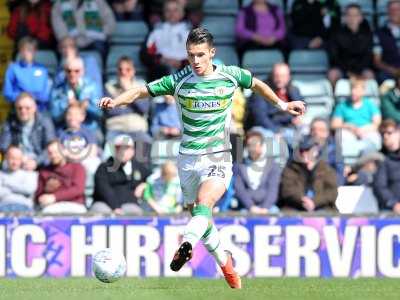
{"x":94,"y":54}
{"x":116,"y":52}
{"x":319,"y":98}
{"x":381,"y":7}
{"x":309,"y":61}
{"x":315,"y":88}
{"x":260,"y":62}
{"x":322,"y":109}
{"x":223,"y":29}
{"x":48,"y":59}
{"x":382,"y":20}
{"x":163,"y":150}
{"x":221,"y":7}
{"x":133,"y":32}
{"x":356,"y":200}
{"x":227,"y":55}
{"x":342,"y":89}
{"x":367,"y":6}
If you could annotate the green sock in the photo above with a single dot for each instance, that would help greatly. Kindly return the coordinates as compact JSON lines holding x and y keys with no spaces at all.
{"x":212,"y":242}
{"x":197,"y":225}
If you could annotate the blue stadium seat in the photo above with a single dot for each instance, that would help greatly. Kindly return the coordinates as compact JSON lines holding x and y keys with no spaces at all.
{"x":227,"y":55}
{"x":116,"y":52}
{"x":309,"y":61}
{"x":260,"y":62}
{"x":48,"y":59}
{"x":221,"y":7}
{"x":367,"y":6}
{"x":94,"y":54}
{"x":132,"y":32}
{"x":222,"y":28}
{"x":381,"y":7}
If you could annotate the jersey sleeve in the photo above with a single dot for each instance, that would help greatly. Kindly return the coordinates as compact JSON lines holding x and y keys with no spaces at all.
{"x":243,"y":77}
{"x":163,"y":86}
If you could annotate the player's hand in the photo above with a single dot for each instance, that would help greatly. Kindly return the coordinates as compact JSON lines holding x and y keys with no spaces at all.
{"x":107,"y":103}
{"x":296,"y":108}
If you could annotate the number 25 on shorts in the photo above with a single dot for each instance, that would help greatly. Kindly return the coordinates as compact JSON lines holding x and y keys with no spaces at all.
{"x":215,"y":170}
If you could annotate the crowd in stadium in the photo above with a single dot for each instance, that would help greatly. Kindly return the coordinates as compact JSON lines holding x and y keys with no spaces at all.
{"x":62,"y":154}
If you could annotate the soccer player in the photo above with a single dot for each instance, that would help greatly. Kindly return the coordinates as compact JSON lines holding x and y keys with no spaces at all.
{"x":204,"y":98}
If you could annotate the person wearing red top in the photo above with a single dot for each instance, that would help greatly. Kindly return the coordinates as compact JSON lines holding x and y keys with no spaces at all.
{"x":61,"y":185}
{"x":32,"y":18}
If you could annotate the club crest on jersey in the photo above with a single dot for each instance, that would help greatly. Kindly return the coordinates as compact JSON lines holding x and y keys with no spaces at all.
{"x":219,"y":91}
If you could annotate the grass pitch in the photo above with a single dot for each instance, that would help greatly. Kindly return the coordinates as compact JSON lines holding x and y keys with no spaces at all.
{"x":193,"y":289}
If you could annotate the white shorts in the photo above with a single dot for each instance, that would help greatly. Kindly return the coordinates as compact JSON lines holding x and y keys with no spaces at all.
{"x":195,"y":169}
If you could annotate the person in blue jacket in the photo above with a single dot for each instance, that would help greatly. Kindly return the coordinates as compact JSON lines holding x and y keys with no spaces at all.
{"x":25,"y":75}
{"x":76,"y":89}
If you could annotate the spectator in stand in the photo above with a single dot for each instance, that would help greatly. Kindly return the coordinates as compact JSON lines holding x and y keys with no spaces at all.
{"x":270,"y":119}
{"x":389,"y":130}
{"x":163,"y":191}
{"x":61,"y":185}
{"x":127,"y":10}
{"x":260,"y":25}
{"x":257,"y":178}
{"x":133,"y":117}
{"x":193,"y":11}
{"x":90,"y":22}
{"x":120,"y":181}
{"x":166,"y":122}
{"x":350,"y":47}
{"x":362,"y":172}
{"x":357,"y":120}
{"x":308,"y":183}
{"x":390,"y":103}
{"x":312,"y":20}
{"x":76,"y":89}
{"x":166,"y":48}
{"x":29,"y":130}
{"x":68,"y":50}
{"x":32,"y":18}
{"x":24,"y":75}
{"x":17,"y":186}
{"x":386,"y":51}
{"x":386,"y":183}
{"x":328,"y":150}
{"x":80,"y":146}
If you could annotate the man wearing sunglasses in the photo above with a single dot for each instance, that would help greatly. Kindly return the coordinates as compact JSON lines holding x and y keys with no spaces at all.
{"x":76,"y":89}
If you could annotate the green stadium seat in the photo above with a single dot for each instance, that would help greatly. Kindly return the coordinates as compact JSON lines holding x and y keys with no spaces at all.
{"x":222,"y":28}
{"x":48,"y":59}
{"x":132,"y":32}
{"x":260,"y":62}
{"x":309,"y":61}
{"x":221,"y":7}
{"x":116,"y":52}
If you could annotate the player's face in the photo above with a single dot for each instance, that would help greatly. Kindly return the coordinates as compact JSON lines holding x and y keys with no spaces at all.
{"x":200,"y":58}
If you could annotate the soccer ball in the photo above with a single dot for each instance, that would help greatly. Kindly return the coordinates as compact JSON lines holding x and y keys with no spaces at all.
{"x":108,"y":265}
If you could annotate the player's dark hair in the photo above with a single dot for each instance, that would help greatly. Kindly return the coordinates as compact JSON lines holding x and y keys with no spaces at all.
{"x":200,"y":35}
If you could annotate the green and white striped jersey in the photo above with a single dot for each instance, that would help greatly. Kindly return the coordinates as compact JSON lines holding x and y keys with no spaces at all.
{"x":204,"y":104}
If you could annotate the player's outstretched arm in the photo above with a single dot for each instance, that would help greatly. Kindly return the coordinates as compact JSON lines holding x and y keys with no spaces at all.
{"x":125,"y":98}
{"x":295,"y":108}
